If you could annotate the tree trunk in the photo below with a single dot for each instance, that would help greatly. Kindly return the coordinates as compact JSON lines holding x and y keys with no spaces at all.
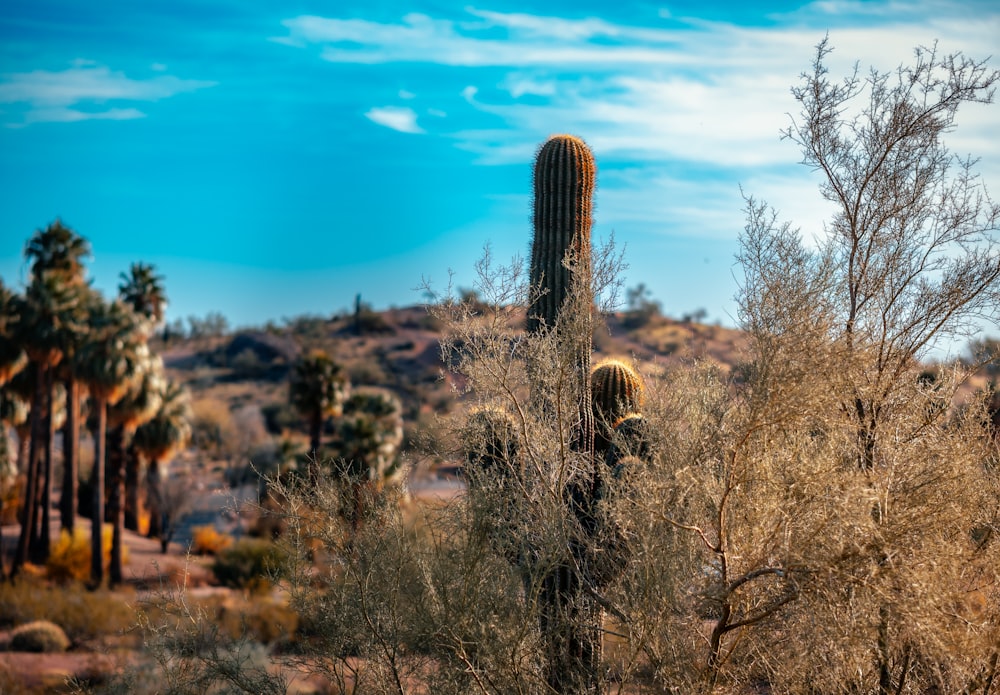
{"x":153,"y":499}
{"x":133,"y":501}
{"x":29,"y":510}
{"x":116,"y":503}
{"x":23,"y":432}
{"x":44,"y":535}
{"x":71,"y":457}
{"x":97,"y":512}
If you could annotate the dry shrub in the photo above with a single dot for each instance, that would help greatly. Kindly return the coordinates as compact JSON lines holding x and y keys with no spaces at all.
{"x":70,"y":556}
{"x":206,"y":540}
{"x":259,"y":619}
{"x":84,"y":615}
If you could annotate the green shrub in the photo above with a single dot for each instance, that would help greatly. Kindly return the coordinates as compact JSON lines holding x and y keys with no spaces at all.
{"x":251,"y":563}
{"x":40,"y":636}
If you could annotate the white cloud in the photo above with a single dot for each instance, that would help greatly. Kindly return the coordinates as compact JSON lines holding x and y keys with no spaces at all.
{"x":531,"y":41}
{"x":705,"y":92}
{"x":395,"y":117}
{"x":535,"y":26}
{"x":709,"y":95}
{"x":519,"y":85}
{"x":51,"y":95}
{"x":60,"y":114}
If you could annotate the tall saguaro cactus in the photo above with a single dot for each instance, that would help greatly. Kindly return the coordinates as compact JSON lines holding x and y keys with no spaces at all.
{"x":564,"y":178}
{"x":560,"y":271}
{"x":592,"y":553}
{"x":561,"y":301}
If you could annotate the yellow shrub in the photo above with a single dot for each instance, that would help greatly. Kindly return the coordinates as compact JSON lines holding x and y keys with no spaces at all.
{"x":69,"y":557}
{"x":205,"y":540}
{"x":144,"y":516}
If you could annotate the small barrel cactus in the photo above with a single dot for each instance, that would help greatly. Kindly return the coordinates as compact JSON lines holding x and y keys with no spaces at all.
{"x":39,"y":636}
{"x":617,"y":391}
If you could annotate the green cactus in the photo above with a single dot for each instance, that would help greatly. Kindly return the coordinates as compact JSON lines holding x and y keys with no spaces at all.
{"x":561,"y":301}
{"x":564,"y":178}
{"x":560,"y":269}
{"x":561,"y":305}
{"x":616,"y":389}
{"x":616,"y":392}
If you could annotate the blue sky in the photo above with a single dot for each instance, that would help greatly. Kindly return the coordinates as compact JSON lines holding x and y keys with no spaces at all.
{"x":274,"y":159}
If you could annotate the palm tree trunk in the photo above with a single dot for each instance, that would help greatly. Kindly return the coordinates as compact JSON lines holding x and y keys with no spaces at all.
{"x":44,"y":535}
{"x":71,"y":452}
{"x":133,"y":502}
{"x":153,"y":498}
{"x":23,"y":432}
{"x":97,"y":479}
{"x":116,"y":504}
{"x":29,"y":511}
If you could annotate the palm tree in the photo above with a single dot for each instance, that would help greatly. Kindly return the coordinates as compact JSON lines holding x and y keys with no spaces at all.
{"x":318,"y":390}
{"x":72,"y":341}
{"x":108,"y":364}
{"x":142,"y":289}
{"x":160,"y":438}
{"x":12,"y":355}
{"x":44,"y":311}
{"x":139,"y":404}
{"x":57,"y":249}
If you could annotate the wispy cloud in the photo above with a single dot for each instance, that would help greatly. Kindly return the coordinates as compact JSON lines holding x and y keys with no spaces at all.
{"x":712,"y":95}
{"x":530,"y":40}
{"x":85,"y":91}
{"x":395,"y":117}
{"x":701,"y":91}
